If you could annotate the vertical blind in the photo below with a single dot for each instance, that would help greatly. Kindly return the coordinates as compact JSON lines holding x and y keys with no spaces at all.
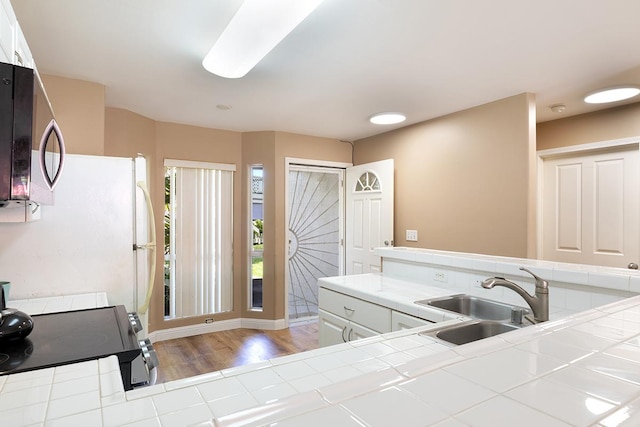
{"x":201,"y":238}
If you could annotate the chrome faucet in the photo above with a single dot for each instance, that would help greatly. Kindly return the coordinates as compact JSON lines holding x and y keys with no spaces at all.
{"x":539,"y":302}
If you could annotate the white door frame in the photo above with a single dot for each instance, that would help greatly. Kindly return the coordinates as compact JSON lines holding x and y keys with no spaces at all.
{"x":563,"y":151}
{"x":288,"y":161}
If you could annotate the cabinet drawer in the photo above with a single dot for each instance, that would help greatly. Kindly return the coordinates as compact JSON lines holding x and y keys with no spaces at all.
{"x":401,"y":321}
{"x":365,"y":313}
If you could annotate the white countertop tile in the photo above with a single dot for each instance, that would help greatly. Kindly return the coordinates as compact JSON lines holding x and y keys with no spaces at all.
{"x":276,"y":411}
{"x":274,"y":393}
{"x":397,"y":359}
{"x":77,"y":386}
{"x":15,"y":382}
{"x":613,"y":366}
{"x":310,"y":382}
{"x":330,"y":416}
{"x":625,"y":351}
{"x":187,"y":416}
{"x":128,"y":412}
{"x":554,"y":348}
{"x":627,"y":416}
{"x":234,"y":403}
{"x":71,"y":405}
{"x":259,"y":379}
{"x":566,"y":403}
{"x":501,"y":411}
{"x":393,"y":406}
{"x":595,"y":384}
{"x":294,"y":370}
{"x":24,"y":397}
{"x":505,"y":369}
{"x":177,"y":400}
{"x":336,"y":393}
{"x":450,"y":422}
{"x":505,"y":380}
{"x":443,"y":390}
{"x":149,"y":422}
{"x":580,"y":339}
{"x":343,"y":373}
{"x":90,"y":418}
{"x":22,"y":416}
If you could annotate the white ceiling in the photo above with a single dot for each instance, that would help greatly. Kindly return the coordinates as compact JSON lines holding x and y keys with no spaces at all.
{"x":348,"y":60}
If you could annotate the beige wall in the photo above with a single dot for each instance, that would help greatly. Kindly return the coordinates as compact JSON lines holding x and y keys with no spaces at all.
{"x":79,"y":110}
{"x":258,"y":148}
{"x":271,"y":150}
{"x":299,"y":147}
{"x":463,"y":180}
{"x":605,"y":125}
{"x":127,"y":133}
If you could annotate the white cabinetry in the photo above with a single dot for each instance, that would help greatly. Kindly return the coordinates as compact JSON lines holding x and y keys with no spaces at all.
{"x":13,"y":45}
{"x":401,"y":321}
{"x":7,"y":31}
{"x":22,"y":55}
{"x":344,"y":318}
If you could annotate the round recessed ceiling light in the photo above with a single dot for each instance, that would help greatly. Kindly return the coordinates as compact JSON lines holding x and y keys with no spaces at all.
{"x":387,"y":118}
{"x":611,"y":95}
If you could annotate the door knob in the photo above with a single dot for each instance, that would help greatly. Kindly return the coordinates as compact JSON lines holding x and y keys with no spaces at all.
{"x":632,"y":266}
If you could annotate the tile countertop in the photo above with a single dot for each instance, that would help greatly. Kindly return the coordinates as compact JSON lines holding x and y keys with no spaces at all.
{"x":583,"y":369}
{"x":400,"y":294}
{"x":60,"y":303}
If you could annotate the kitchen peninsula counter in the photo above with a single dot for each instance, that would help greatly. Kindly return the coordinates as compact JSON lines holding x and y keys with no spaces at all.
{"x":579,"y":369}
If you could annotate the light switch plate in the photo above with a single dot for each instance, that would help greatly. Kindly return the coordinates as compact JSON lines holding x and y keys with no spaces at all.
{"x":412,"y":236}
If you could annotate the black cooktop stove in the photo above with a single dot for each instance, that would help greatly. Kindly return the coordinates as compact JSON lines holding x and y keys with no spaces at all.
{"x":71,"y":337}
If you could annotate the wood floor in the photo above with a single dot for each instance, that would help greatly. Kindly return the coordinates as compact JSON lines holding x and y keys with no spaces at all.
{"x":186,"y":357}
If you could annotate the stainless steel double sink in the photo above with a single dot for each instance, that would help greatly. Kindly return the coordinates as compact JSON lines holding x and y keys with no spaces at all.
{"x":490,"y":318}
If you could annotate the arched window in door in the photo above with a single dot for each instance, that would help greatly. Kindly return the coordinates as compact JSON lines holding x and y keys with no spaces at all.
{"x":368,"y":181}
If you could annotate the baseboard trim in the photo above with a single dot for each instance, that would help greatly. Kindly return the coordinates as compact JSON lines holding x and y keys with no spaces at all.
{"x":222,"y":325}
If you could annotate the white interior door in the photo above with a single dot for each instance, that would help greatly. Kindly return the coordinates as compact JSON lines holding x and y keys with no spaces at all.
{"x":591,"y":208}
{"x":369,"y":216}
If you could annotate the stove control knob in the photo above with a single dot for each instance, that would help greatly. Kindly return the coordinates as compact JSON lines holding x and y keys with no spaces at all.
{"x":149,"y":353}
{"x":136,"y":325}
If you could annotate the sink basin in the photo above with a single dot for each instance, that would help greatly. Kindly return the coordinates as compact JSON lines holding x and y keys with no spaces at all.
{"x":476,"y":307}
{"x":472,"y":331}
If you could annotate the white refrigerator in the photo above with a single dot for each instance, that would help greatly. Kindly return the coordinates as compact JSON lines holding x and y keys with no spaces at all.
{"x":95,"y":238}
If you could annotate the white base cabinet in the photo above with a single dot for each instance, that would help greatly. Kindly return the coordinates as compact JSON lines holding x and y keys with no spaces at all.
{"x":336,"y":330}
{"x":401,"y":321}
{"x":343,"y":318}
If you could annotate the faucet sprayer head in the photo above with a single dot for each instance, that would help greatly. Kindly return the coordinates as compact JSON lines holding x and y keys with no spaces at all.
{"x":490,"y":282}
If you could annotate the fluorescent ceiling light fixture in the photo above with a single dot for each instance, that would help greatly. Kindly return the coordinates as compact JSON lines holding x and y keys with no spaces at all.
{"x":256,"y":28}
{"x":387,"y":118}
{"x":611,"y":95}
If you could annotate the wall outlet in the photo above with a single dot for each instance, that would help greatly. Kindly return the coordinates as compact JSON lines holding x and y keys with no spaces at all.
{"x":412,"y":236}
{"x":208,"y":320}
{"x":441,"y":276}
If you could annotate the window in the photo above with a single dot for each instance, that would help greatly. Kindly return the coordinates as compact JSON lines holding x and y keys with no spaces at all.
{"x":198,"y":238}
{"x":368,"y":181}
{"x":256,"y":244}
